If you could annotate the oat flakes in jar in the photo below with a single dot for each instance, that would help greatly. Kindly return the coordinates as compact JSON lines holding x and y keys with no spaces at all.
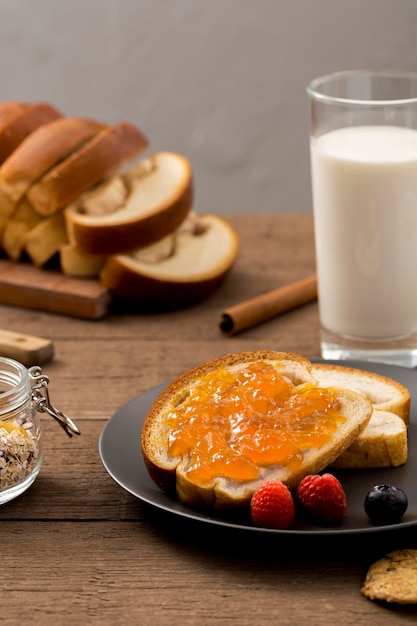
{"x":23,"y":393}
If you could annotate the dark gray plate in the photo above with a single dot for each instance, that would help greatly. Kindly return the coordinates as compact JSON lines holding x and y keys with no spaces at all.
{"x":119,"y":448}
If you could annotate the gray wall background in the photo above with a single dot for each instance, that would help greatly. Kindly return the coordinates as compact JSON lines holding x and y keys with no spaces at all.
{"x":221,"y":81}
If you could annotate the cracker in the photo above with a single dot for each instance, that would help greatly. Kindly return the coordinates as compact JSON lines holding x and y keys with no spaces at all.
{"x":393,"y":578}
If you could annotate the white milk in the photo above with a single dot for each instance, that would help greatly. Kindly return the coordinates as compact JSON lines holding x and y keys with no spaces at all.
{"x":365,"y":210}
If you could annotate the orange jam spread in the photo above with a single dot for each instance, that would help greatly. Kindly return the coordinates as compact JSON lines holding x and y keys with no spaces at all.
{"x":233,"y":423}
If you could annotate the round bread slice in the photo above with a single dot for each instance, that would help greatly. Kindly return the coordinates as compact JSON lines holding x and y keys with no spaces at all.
{"x":158,"y":196}
{"x":231,"y":390}
{"x":180,"y":270}
{"x":383,"y":392}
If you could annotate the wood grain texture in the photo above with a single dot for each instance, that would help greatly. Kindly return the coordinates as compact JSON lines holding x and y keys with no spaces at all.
{"x":25,"y":285}
{"x":78,"y":548}
{"x":26,"y":349}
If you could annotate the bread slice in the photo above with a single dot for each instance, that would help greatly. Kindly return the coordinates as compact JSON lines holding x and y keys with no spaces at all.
{"x":75,"y":262}
{"x":45,"y":240}
{"x":181,"y":437}
{"x":180,"y":270}
{"x":18,"y":126}
{"x":17,"y":228}
{"x":385,"y":394}
{"x":101,"y":156}
{"x":150,"y":201}
{"x":383,"y":443}
{"x":7,"y":206}
{"x":41,"y":150}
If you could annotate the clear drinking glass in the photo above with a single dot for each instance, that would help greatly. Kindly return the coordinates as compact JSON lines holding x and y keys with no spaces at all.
{"x":363,"y":147}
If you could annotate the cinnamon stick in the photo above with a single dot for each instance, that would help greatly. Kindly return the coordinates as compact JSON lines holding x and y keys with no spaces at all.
{"x":266,"y":306}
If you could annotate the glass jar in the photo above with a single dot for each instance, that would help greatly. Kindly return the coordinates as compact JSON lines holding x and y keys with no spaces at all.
{"x":23,"y":393}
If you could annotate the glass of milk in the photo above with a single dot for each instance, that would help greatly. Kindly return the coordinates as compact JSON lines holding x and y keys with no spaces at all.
{"x":363,"y":146}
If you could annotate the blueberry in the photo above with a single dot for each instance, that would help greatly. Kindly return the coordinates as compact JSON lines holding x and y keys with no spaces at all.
{"x":385,"y":504}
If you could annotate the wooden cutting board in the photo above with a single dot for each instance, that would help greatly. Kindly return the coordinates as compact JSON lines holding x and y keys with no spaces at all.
{"x":27,"y":286}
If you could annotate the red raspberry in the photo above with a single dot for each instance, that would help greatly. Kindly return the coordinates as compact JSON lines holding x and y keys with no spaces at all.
{"x":322,"y":497}
{"x":272,"y":506}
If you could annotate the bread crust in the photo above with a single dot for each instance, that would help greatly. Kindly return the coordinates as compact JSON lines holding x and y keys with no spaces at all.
{"x":99,"y":157}
{"x":221,"y":493}
{"x":10,"y":109}
{"x":385,"y":394}
{"x":118,"y":277}
{"x":19,"y":126}
{"x":42,"y":149}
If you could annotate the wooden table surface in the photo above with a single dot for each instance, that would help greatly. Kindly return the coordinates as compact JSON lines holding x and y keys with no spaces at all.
{"x":79,"y":549}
